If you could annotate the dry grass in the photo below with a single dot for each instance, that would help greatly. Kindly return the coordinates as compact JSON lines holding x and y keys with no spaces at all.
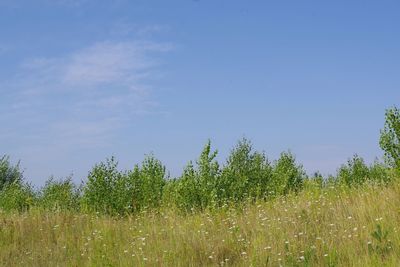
{"x":316,"y":228}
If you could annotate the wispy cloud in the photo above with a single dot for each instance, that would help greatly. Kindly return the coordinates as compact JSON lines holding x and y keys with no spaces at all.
{"x":84,"y":97}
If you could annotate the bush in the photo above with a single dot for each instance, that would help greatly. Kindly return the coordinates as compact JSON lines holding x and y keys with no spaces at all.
{"x":106,"y":189}
{"x":390,"y":137}
{"x":16,"y":196}
{"x":147,"y":183}
{"x":380,"y":173}
{"x":109,"y":190}
{"x":59,"y":195}
{"x":356,"y":172}
{"x":247,"y":174}
{"x":196,"y":188}
{"x":9,"y":173}
{"x":288,"y":176}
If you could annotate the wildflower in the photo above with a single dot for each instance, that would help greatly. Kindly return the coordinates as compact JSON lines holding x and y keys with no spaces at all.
{"x":301,"y":258}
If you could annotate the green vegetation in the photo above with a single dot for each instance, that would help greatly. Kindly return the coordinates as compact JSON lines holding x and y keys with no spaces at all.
{"x":390,"y":137}
{"x":246,"y":211}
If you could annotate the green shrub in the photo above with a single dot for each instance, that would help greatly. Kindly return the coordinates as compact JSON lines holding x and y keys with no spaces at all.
{"x":247,"y":174}
{"x":380,"y":173}
{"x":109,"y":190}
{"x":196,"y":188}
{"x":355,"y":172}
{"x":100,"y":194}
{"x":16,"y":196}
{"x":147,"y":183}
{"x":9,"y":173}
{"x":288,"y":176}
{"x":59,"y":195}
{"x":390,"y":137}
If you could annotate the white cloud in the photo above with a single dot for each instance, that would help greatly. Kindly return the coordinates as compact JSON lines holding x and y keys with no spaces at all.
{"x":111,"y":62}
{"x":85,"y":97}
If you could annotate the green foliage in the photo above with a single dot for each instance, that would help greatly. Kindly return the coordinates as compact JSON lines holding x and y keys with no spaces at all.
{"x":288,"y":176}
{"x":109,"y":190}
{"x":9,"y":173}
{"x":356,"y":172}
{"x":16,"y":196}
{"x":106,"y":190}
{"x":147,"y":182}
{"x":390,"y":137}
{"x":247,"y":174}
{"x":59,"y":195}
{"x":196,"y":188}
{"x":380,"y":173}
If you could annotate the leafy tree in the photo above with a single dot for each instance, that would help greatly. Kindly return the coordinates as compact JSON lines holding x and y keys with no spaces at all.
{"x":379,"y":173}
{"x":149,"y":182}
{"x":109,"y":190}
{"x":247,"y":174}
{"x":9,"y":173}
{"x":17,"y":197}
{"x":59,"y":195}
{"x":287,"y":175}
{"x":100,"y":190}
{"x":207,"y":175}
{"x":196,"y":188}
{"x":390,"y":137}
{"x":355,"y":172}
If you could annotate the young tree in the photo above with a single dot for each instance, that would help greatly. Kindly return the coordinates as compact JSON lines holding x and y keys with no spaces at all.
{"x":390,"y":137}
{"x":9,"y":173}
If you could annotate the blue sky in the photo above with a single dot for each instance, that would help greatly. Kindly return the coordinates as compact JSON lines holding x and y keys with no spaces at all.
{"x":81,"y":80}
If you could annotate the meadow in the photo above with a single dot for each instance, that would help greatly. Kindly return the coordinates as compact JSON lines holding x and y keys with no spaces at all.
{"x":331,"y":227}
{"x":248,"y":211}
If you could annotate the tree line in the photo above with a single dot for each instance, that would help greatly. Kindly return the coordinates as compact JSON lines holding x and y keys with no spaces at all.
{"x":246,"y":176}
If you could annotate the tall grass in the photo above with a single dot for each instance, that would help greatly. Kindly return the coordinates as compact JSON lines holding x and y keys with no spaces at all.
{"x":334,"y":226}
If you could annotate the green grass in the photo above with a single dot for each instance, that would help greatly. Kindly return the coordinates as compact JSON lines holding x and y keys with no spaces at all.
{"x":328,"y":227}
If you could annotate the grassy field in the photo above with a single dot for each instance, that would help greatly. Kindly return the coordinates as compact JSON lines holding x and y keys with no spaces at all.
{"x":329,"y":227}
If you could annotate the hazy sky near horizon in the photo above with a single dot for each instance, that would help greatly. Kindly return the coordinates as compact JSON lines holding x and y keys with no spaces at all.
{"x":81,"y":80}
